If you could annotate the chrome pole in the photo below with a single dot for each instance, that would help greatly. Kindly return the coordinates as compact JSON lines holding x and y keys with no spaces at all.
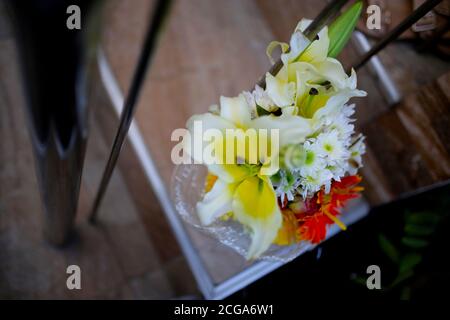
{"x":55,"y":64}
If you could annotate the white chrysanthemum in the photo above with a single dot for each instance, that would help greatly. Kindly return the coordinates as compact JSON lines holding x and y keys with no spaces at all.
{"x":343,"y":123}
{"x":314,"y":181}
{"x":332,"y":146}
{"x":286,"y":184}
{"x":343,"y":127}
{"x":339,"y":169}
{"x":348,"y":110}
{"x":356,"y":152}
{"x":313,"y":160}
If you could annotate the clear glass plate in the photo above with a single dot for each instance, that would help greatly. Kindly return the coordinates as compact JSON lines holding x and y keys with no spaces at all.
{"x":187,"y":188}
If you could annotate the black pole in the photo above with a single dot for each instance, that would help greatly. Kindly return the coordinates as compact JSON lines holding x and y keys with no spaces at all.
{"x":396,"y":32}
{"x":147,"y":52}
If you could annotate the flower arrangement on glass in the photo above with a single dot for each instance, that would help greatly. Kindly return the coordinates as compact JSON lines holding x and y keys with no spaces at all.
{"x":281,"y":189}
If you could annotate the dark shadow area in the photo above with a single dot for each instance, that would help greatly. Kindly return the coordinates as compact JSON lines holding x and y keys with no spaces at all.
{"x":407,"y":239}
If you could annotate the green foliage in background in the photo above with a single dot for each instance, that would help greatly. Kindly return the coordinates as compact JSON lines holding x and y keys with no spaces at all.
{"x":417,"y":231}
{"x":406,"y":251}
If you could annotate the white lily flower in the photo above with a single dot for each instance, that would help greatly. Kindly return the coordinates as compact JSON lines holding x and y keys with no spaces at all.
{"x":236,"y":110}
{"x":308,"y":78}
{"x":293,"y":129}
{"x":251,"y":103}
{"x":217,"y":202}
{"x":252,"y":200}
{"x":240,"y":188}
{"x":280,"y":91}
{"x":315,"y":88}
{"x":195,"y":145}
{"x":316,"y":51}
{"x":263,"y":100}
{"x":255,"y":205}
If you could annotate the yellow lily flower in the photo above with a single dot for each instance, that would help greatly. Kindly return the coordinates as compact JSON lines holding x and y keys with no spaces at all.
{"x":235,"y":114}
{"x":308,"y":78}
{"x":243,"y":188}
{"x":251,"y":198}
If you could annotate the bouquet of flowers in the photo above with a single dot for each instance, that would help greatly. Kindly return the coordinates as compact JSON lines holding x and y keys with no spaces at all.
{"x":283,"y":159}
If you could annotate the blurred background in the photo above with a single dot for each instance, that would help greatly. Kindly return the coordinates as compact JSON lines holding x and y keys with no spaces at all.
{"x":207,"y":49}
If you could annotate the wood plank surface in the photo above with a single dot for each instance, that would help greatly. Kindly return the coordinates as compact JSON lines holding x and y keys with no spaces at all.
{"x":410,"y":144}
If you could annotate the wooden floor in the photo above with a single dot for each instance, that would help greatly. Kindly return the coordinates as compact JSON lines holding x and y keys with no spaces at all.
{"x":209,"y":48}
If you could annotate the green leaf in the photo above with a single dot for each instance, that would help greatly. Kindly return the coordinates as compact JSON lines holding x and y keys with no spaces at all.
{"x":261,"y":111}
{"x":423,"y":218}
{"x":341,"y":29}
{"x":359,"y":280}
{"x":388,"y":248}
{"x":415,"y":243}
{"x":418,"y":230}
{"x":408,"y":262}
{"x":402,"y":277}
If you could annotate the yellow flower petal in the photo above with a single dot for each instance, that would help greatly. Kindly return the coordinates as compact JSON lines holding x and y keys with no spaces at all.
{"x":255,"y":205}
{"x":303,"y":72}
{"x":230,"y":172}
{"x":310,"y":104}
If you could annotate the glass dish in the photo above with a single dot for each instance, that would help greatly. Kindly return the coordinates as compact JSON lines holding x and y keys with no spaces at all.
{"x":187,"y":188}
